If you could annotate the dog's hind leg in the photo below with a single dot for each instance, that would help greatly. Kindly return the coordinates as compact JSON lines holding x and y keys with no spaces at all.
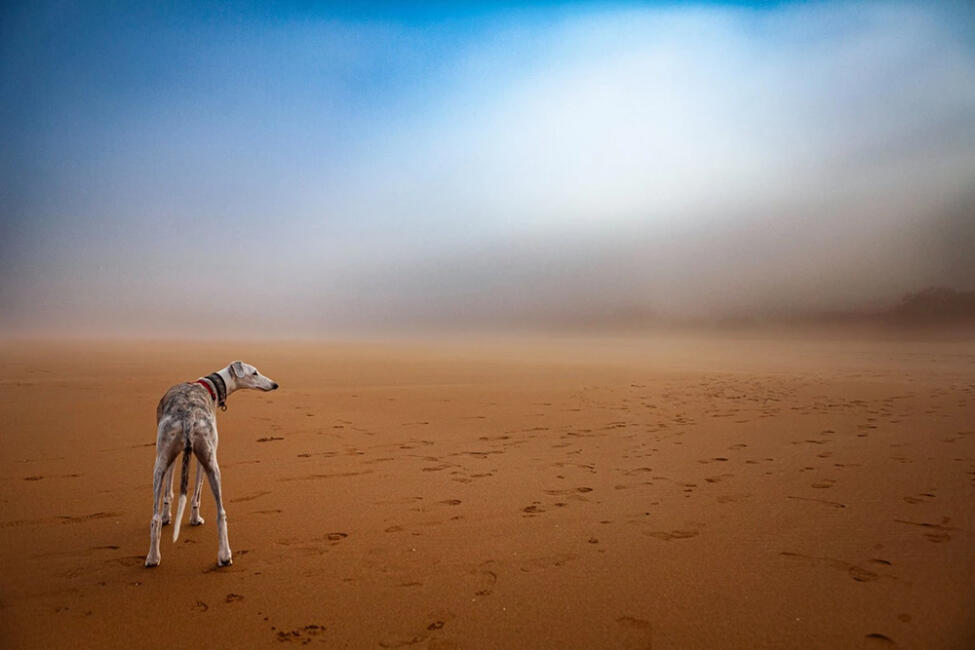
{"x":210,"y":466}
{"x":195,"y":518}
{"x":158,"y":486}
{"x":167,"y":514}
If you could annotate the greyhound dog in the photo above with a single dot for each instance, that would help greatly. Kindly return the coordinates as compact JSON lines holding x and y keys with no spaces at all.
{"x":186,"y":421}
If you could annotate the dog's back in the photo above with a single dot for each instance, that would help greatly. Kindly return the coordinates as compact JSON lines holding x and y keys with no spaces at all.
{"x":184,"y":401}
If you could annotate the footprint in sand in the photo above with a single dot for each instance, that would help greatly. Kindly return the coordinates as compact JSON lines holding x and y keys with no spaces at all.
{"x":862,"y":575}
{"x":402,"y":643}
{"x":921,"y":498}
{"x":938,"y":533}
{"x":83,"y":518}
{"x":877,"y":640}
{"x":731,"y":498}
{"x":857,"y":573}
{"x":336,"y":537}
{"x":250,"y":497}
{"x":486,"y":578}
{"x":632,"y":622}
{"x":673,"y":534}
{"x":833,"y":504}
{"x":233,"y":598}
{"x":547,"y":562}
{"x":718,"y":478}
{"x":823,"y":484}
{"x":302,"y":635}
{"x":581,"y":490}
{"x":637,"y":470}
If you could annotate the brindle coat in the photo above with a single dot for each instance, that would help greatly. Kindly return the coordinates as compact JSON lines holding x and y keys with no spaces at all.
{"x":186,"y":420}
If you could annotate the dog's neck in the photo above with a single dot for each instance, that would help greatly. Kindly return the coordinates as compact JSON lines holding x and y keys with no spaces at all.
{"x":228,"y":379}
{"x":223,"y":383}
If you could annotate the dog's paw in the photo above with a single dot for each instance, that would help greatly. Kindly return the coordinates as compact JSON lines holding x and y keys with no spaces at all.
{"x":152,"y":562}
{"x":226,"y":562}
{"x":166,"y":520}
{"x":197,"y":521}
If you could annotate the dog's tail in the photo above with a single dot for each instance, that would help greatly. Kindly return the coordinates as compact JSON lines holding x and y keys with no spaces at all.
{"x":184,"y":478}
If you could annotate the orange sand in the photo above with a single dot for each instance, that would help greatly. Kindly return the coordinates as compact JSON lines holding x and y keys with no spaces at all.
{"x":679,"y":493}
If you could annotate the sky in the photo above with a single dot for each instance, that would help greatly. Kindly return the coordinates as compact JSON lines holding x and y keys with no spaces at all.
{"x":309,"y":169}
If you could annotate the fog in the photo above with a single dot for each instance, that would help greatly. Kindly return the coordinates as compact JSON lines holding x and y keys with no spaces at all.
{"x":238,"y":173}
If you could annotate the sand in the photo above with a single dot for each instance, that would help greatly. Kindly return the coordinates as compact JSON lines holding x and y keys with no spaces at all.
{"x":661,"y":492}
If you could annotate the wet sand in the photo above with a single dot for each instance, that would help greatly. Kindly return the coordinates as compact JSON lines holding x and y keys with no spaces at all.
{"x":666,"y":492}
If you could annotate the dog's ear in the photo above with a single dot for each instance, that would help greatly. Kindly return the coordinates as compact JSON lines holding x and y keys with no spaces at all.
{"x":237,"y":369}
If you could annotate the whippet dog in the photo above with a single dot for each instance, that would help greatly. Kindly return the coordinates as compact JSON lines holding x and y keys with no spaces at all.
{"x":186,"y":420}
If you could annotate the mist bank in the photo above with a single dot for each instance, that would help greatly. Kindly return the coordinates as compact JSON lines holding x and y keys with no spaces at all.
{"x":933,"y":310}
{"x":821,"y":266}
{"x":932,"y":313}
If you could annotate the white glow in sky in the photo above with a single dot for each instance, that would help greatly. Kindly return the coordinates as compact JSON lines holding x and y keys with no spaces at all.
{"x":309,"y":173}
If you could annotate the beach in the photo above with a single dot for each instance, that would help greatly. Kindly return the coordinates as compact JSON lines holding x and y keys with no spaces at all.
{"x":664,"y":491}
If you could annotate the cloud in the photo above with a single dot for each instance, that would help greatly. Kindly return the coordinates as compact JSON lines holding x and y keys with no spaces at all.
{"x":510,"y":168}
{"x":688,"y":163}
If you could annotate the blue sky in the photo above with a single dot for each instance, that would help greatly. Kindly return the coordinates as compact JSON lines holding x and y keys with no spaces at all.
{"x":312,"y":169}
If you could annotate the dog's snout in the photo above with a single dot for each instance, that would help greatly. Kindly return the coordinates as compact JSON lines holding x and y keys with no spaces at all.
{"x":274,"y":386}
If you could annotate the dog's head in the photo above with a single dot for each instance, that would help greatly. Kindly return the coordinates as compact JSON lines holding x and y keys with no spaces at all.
{"x":247,"y":376}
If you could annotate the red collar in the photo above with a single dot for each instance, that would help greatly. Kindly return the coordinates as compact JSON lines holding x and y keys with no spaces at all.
{"x":206,"y":385}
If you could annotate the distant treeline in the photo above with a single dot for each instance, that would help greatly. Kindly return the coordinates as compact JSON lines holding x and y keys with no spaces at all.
{"x":934,"y":305}
{"x":930,"y":308}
